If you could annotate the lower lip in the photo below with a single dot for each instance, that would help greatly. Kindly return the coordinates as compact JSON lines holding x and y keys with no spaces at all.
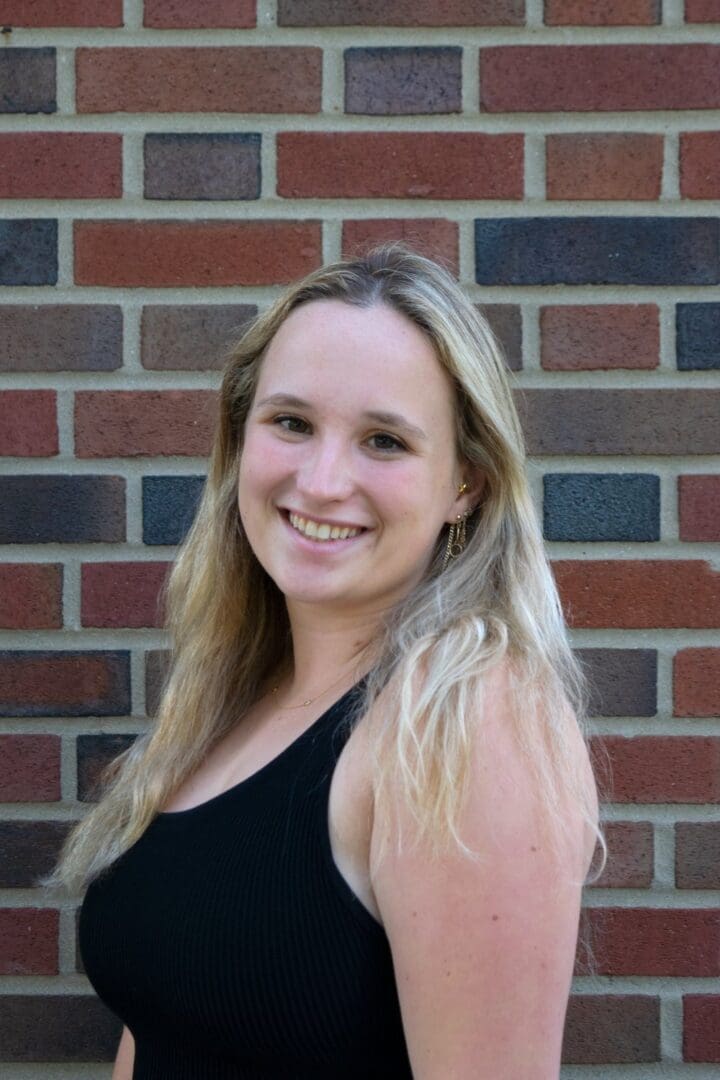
{"x":324,"y":546}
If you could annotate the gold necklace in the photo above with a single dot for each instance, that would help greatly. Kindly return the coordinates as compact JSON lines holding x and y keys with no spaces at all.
{"x":308,"y":701}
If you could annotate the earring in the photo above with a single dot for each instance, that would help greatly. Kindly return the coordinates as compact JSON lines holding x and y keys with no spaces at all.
{"x":457,"y":539}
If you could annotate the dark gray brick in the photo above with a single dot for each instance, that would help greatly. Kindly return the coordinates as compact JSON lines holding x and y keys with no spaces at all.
{"x":601,"y":506}
{"x":62,"y":509}
{"x":29,"y":850}
{"x":698,"y":336}
{"x":190,"y":166}
{"x":697,"y":855}
{"x":383,"y":81}
{"x":64,"y":683}
{"x":191,"y":337}
{"x":28,"y":251}
{"x":60,"y":337}
{"x":27,"y":80}
{"x":597,"y":251}
{"x":400,"y":13}
{"x":506,"y":324}
{"x":622,"y":682}
{"x":169,"y":505}
{"x":602,"y":1029}
{"x":157,"y":662}
{"x":57,"y":1028}
{"x":94,"y":754}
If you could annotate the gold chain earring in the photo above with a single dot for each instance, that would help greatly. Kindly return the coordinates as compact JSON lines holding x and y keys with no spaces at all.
{"x":457,"y":534}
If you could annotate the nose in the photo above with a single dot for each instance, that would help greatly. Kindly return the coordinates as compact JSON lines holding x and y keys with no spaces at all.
{"x":325,"y":474}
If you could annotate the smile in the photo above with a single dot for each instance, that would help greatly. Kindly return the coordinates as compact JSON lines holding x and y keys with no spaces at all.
{"x":319,"y":530}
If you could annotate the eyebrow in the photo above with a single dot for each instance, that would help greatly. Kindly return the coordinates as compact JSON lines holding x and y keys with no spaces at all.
{"x":387,"y":419}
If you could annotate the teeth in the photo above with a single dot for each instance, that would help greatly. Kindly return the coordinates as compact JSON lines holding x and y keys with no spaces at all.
{"x":321,"y":531}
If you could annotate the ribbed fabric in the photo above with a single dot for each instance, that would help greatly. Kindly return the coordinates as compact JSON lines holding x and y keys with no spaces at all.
{"x":232,"y":947}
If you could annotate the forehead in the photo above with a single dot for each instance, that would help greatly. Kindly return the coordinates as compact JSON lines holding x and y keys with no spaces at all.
{"x":370,"y":357}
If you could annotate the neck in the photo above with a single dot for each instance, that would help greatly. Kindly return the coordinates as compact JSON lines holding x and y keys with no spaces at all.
{"x":326,"y":647}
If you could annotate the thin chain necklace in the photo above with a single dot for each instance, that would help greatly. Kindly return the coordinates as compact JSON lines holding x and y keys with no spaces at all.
{"x":308,"y":701}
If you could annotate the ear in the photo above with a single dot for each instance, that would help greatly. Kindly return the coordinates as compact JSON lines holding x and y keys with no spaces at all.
{"x":468,"y":500}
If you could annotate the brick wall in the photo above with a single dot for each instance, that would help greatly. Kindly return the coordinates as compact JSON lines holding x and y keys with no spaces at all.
{"x":162,"y":171}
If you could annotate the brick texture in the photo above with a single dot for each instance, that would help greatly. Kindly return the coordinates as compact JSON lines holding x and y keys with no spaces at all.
{"x":702,"y":11}
{"x":168,"y":507}
{"x":28,"y":251}
{"x":29,"y":851}
{"x":60,"y":337}
{"x":94,"y":754}
{"x":62,"y":509}
{"x":589,"y":337}
{"x":60,"y":165}
{"x":31,"y":596}
{"x":615,"y":166}
{"x":122,"y":594}
{"x":421,"y":79}
{"x":191,"y":337}
{"x":435,"y":237}
{"x":630,"y":855}
{"x":654,"y":941}
{"x":28,"y":423}
{"x":135,"y":423}
{"x":622,"y":682}
{"x":27,"y":80}
{"x":167,"y":253}
{"x":29,"y":768}
{"x":57,"y":1027}
{"x":506,"y":324}
{"x":189,"y":166}
{"x":700,"y":164}
{"x":48,"y":13}
{"x":697,"y":855}
{"x":28,"y":941}
{"x":640,"y":593}
{"x":601,"y":506}
{"x":698,"y":336}
{"x":664,"y":768}
{"x":699,"y":504}
{"x":199,"y":14}
{"x":400,"y":13}
{"x":604,"y":1029}
{"x":432,"y":165}
{"x":696,"y":682}
{"x":203,"y":79}
{"x":156,"y":666}
{"x":602,"y":13}
{"x":701,"y":1020}
{"x":599,"y":78}
{"x":64,"y":683}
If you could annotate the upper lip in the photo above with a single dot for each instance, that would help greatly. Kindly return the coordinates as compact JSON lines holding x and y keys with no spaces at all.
{"x":324,"y":521}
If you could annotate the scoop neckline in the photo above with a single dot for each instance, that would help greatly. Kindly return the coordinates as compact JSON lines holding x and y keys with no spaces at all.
{"x":169,"y":816}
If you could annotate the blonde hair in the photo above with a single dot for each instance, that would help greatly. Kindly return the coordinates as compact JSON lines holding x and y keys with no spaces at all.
{"x":497,"y":601}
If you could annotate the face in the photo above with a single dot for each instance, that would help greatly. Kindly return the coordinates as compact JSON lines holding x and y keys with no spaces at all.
{"x":348,"y":470}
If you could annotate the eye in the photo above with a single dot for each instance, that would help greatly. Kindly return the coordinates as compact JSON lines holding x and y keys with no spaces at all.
{"x":387,"y":444}
{"x":294,"y":424}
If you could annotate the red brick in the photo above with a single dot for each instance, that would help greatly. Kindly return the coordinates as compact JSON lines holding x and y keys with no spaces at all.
{"x":590,"y":337}
{"x":642,"y":594}
{"x":60,"y":165}
{"x":602,"y":13}
{"x":435,"y":237}
{"x":399,"y":165}
{"x":64,"y":683}
{"x":699,"y":505}
{"x":31,"y":596}
{"x":274,"y":79}
{"x":191,"y":337}
{"x":702,"y":11}
{"x":611,"y":1029}
{"x":29,"y":941}
{"x":28,"y":423}
{"x":630,"y":855}
{"x":701,"y":1022}
{"x":61,"y":13}
{"x":700,"y":164}
{"x":599,"y":78}
{"x":662,"y":768}
{"x":122,"y":594}
{"x":168,"y":253}
{"x":135,"y":423}
{"x":656,"y":941}
{"x":696,"y":682}
{"x":29,"y":768}
{"x":697,"y":855}
{"x":198,"y":14}
{"x":401,"y":13}
{"x":605,"y":166}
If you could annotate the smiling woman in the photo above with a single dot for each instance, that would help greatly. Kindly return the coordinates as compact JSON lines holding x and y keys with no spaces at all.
{"x":354,"y":841}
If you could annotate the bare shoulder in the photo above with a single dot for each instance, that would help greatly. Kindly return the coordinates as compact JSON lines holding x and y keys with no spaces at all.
{"x":484,"y":948}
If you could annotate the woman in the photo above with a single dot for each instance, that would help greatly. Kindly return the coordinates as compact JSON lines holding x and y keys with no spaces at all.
{"x":354,"y":841}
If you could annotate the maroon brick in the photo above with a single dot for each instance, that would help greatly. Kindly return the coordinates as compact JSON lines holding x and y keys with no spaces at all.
{"x":39,"y":683}
{"x":657,"y":941}
{"x":629,"y":858}
{"x":132,"y":423}
{"x":46,"y":13}
{"x":602,"y":13}
{"x":699,"y":502}
{"x":199,"y":14}
{"x":701,"y":1019}
{"x":31,"y":596}
{"x":696,"y":682}
{"x":29,"y":768}
{"x":29,"y":850}
{"x":28,"y":423}
{"x":620,"y":421}
{"x":202,"y":166}
{"x":399,"y":165}
{"x":168,"y":253}
{"x":191,"y":337}
{"x":41,"y":509}
{"x":382,"y":81}
{"x":663,"y":768}
{"x":401,"y":13}
{"x":599,"y":78}
{"x":94,"y":754}
{"x":611,"y":1029}
{"x":273,"y":79}
{"x":621,"y":682}
{"x":27,"y":80}
{"x":506,"y":324}
{"x":604,"y":166}
{"x":601,"y":336}
{"x":702,"y":11}
{"x":60,"y":337}
{"x":700,"y":164}
{"x":156,"y":667}
{"x":60,"y":165}
{"x":437,"y":238}
{"x":120,"y":594}
{"x":28,"y":941}
{"x":697,"y":855}
{"x":58,"y":1028}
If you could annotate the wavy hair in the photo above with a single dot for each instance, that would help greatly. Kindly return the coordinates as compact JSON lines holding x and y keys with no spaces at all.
{"x":497,"y":601}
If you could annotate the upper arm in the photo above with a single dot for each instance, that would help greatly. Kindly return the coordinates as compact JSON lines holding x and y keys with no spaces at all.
{"x":483,"y":950}
{"x":125,"y":1057}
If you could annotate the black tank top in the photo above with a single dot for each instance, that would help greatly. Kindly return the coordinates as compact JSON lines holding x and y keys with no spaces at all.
{"x":229,"y":943}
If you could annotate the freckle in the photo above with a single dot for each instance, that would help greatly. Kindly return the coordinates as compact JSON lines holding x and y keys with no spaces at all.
{"x":495,"y":918}
{"x":533,"y":848}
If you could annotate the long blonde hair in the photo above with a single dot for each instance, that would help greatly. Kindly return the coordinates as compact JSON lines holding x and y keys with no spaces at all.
{"x":229,"y":626}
